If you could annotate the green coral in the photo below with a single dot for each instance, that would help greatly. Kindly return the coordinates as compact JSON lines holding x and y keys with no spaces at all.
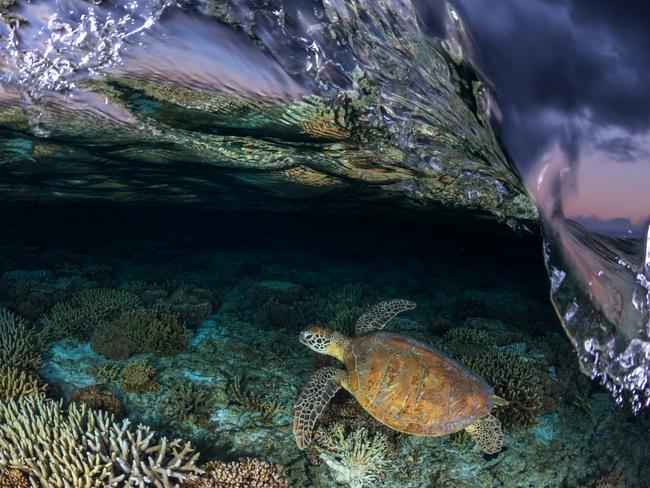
{"x":20,"y":344}
{"x":139,"y":376}
{"x":191,"y":402}
{"x":154,"y":330}
{"x":85,"y":310}
{"x":267,"y":408}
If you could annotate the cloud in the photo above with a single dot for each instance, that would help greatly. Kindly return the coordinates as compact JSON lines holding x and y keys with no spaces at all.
{"x":585,"y":60}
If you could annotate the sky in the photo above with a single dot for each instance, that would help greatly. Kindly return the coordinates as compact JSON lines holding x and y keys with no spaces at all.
{"x":577,"y":72}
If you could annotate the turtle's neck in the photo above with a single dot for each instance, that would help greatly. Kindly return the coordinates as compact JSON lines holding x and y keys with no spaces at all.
{"x":339,"y":346}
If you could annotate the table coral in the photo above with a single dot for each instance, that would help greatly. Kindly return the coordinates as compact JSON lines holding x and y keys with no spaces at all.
{"x":245,"y":473}
{"x":154,"y":330}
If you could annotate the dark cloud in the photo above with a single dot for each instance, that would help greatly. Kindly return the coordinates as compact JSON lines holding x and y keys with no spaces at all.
{"x":557,"y":62}
{"x":623,"y":149}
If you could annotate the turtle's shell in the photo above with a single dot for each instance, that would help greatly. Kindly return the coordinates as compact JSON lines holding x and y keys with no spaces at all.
{"x":412,"y":387}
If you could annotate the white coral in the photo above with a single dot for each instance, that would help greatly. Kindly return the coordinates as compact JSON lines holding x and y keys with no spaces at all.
{"x":357,"y":459}
{"x":84,"y":448}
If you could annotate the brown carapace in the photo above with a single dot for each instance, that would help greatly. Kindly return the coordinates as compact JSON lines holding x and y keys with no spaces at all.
{"x":403,"y":383}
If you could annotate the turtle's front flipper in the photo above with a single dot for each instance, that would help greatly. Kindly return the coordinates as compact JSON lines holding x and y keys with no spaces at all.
{"x":487,"y":434}
{"x":316,"y":394}
{"x":379,"y":315}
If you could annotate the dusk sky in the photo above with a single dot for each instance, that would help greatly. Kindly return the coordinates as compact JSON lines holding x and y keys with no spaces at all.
{"x":577,"y":71}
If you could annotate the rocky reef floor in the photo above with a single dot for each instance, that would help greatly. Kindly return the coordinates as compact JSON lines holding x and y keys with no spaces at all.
{"x":188,"y":323}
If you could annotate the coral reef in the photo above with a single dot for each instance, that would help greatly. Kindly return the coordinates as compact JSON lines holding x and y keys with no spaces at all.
{"x":245,"y":473}
{"x":13,"y":478}
{"x":15,"y":383}
{"x":85,"y":310}
{"x":20,"y":344}
{"x":90,"y":449}
{"x":138,"y":377}
{"x":191,"y":402}
{"x":355,"y":459}
{"x":98,"y":398}
{"x":155,"y":331}
{"x":112,"y":341}
{"x":253,"y":402}
{"x":514,"y":378}
{"x":30,"y":292}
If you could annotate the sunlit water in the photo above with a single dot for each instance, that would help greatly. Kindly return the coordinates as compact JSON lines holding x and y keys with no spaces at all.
{"x":338,"y":105}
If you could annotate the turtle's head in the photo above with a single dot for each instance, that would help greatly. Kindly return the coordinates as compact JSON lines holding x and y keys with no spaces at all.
{"x":324,"y":341}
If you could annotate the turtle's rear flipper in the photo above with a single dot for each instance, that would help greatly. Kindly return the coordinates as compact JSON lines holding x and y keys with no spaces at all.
{"x":487,"y":434}
{"x":315,"y":396}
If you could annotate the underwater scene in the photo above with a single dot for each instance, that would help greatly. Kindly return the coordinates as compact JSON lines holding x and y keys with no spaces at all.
{"x":324,"y":243}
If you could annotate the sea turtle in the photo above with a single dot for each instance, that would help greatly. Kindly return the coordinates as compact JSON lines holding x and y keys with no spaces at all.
{"x":403,"y":383}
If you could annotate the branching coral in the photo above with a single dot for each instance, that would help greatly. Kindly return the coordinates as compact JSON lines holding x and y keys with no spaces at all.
{"x":15,"y":383}
{"x":267,"y":409}
{"x":514,"y":378}
{"x":20,"y":344}
{"x":99,"y":398}
{"x":139,"y":376}
{"x":356,"y":459}
{"x":189,"y":401}
{"x":245,"y":473}
{"x":85,"y":310}
{"x":152,"y":330}
{"x":112,"y":341}
{"x":89,"y":448}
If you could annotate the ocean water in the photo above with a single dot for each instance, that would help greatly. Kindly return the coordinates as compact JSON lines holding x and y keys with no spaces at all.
{"x":185,"y":187}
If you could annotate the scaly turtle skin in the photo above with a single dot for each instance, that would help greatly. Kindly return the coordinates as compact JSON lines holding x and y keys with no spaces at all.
{"x":403,"y":383}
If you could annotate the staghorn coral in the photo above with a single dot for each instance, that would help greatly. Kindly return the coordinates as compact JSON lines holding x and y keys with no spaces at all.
{"x":514,"y":378}
{"x":13,"y":478}
{"x":108,"y":373}
{"x":138,"y":377}
{"x":20,"y":344}
{"x":355,"y":459}
{"x":90,"y":449}
{"x":85,"y":310}
{"x":99,"y":398}
{"x":15,"y":383}
{"x":153,"y":330}
{"x":244,"y":473}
